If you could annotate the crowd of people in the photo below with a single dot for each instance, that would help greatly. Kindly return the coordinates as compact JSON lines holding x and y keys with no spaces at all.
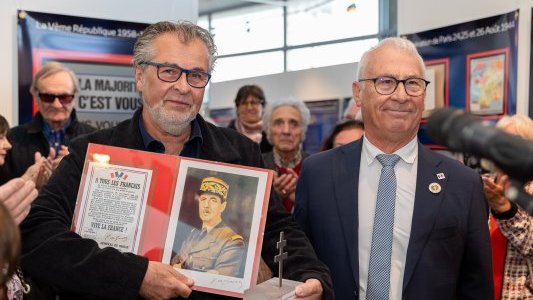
{"x":374,"y":215}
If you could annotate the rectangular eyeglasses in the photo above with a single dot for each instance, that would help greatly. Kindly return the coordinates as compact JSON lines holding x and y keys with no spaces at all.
{"x":171,"y":73}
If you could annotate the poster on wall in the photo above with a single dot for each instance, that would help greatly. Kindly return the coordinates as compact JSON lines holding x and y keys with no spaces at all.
{"x":473,"y":66}
{"x":324,"y":117}
{"x":98,"y":51}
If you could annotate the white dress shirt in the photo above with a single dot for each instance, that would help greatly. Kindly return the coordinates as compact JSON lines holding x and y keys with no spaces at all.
{"x":369,"y":173}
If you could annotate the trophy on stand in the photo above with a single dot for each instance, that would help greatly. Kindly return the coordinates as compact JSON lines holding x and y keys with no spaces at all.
{"x":274,"y":288}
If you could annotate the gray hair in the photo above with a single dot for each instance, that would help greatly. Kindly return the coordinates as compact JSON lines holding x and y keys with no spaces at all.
{"x":522,"y":123}
{"x":299,"y":105}
{"x":186,"y":32}
{"x":49,"y":69}
{"x":395,"y":42}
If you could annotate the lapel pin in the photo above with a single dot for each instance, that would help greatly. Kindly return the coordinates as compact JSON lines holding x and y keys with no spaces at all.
{"x":434,"y":188}
{"x":441,"y":176}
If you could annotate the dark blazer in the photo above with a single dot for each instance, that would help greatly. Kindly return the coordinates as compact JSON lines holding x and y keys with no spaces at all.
{"x":78,"y":269}
{"x":29,"y":138}
{"x":449,"y":254}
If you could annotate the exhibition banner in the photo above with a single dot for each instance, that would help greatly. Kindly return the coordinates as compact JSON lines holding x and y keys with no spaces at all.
{"x":472,"y":66}
{"x":98,"y":51}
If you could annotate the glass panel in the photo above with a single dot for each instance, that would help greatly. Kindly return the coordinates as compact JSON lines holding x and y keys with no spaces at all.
{"x":318,"y":20}
{"x":244,"y":66}
{"x":327,"y":55}
{"x":248,"y":29}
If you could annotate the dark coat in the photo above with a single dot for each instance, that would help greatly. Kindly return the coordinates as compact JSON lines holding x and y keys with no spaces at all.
{"x":449,"y":255}
{"x":79,"y":269}
{"x":29,"y":138}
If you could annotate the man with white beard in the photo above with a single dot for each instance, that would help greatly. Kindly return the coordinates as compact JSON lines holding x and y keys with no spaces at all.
{"x":173,"y":63}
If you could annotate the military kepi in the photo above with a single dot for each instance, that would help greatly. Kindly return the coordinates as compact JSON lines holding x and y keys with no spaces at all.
{"x":215,"y":186}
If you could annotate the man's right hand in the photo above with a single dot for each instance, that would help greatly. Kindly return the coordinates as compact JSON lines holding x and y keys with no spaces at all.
{"x":162,"y":281}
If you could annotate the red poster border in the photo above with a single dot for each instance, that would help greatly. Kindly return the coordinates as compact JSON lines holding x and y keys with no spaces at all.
{"x":446,"y":62}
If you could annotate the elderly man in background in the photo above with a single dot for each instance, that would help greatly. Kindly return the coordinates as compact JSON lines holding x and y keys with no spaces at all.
{"x":53,"y":126}
{"x":391,"y":218}
{"x":285,"y":123}
{"x":173,"y":64}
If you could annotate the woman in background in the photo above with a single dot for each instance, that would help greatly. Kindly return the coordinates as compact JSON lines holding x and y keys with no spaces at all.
{"x":10,"y":284}
{"x":249,"y":103}
{"x":343,"y":133}
{"x":38,"y":173}
{"x":511,"y":228}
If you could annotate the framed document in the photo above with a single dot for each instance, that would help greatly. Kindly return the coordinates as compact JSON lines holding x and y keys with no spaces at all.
{"x":437,"y":72}
{"x":205,"y":218}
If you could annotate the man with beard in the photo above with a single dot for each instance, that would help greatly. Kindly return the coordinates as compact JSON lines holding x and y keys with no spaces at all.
{"x":48,"y":134}
{"x":173,"y":63}
{"x":215,"y":248}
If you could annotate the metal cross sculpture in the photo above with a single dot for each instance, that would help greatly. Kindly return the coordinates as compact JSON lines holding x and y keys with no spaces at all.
{"x":281,"y":256}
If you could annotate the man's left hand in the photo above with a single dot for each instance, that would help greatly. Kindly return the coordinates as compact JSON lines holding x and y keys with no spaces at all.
{"x":311,"y":289}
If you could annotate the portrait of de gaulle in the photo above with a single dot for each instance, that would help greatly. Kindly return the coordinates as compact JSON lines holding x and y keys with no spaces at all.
{"x":213,"y":228}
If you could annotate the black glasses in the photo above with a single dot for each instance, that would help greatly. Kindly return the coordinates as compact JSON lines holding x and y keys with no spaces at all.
{"x":63,"y":98}
{"x":386,"y":85}
{"x":171,"y":73}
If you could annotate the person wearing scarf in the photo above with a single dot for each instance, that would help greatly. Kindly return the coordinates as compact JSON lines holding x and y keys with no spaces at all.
{"x":285,"y":123}
{"x":249,"y":103}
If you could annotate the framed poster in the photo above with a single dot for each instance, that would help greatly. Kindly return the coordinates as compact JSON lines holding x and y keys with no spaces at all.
{"x":204,"y":218}
{"x":487,"y":80}
{"x":437,"y":72}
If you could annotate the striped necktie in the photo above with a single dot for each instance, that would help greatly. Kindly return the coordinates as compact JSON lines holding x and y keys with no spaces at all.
{"x":378,"y":284}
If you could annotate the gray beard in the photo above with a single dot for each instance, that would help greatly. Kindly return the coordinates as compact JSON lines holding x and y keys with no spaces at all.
{"x":174,"y":125}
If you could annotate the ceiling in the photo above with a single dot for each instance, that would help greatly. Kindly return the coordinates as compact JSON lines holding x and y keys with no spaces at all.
{"x":207,"y":6}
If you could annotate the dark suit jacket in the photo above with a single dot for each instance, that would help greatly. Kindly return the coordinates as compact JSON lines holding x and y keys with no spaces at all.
{"x":78,"y":269}
{"x":449,"y":254}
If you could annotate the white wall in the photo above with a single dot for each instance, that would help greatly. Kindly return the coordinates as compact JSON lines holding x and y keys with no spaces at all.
{"x":141,"y":11}
{"x":413,"y":16}
{"x":309,"y":85}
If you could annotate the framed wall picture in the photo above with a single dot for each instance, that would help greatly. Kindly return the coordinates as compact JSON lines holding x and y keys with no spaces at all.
{"x":487,"y":81}
{"x":437,"y":72}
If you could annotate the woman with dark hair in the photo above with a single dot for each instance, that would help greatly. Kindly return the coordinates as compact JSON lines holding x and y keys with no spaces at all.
{"x":18,"y":193}
{"x":343,"y":133}
{"x":249,"y":103}
{"x":38,"y":173}
{"x":10,"y":284}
